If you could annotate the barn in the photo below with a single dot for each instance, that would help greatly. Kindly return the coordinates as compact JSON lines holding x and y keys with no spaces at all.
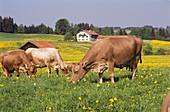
{"x":37,"y":44}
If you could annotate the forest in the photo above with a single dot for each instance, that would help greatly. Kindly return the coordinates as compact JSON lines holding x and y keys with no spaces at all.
{"x":63,"y":26}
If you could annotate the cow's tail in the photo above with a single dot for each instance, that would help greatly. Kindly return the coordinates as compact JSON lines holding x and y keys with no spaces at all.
{"x":140,"y":57}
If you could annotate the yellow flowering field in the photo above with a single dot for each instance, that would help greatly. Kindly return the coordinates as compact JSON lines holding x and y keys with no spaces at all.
{"x":159,"y":44}
{"x":143,"y":94}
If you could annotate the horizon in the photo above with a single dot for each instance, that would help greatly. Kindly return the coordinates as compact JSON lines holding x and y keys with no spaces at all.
{"x":100,"y":13}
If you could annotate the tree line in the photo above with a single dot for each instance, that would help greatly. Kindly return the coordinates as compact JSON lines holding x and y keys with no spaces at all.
{"x":63,"y":26}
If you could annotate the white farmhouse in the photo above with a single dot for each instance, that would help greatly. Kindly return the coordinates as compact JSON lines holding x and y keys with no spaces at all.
{"x":86,"y":35}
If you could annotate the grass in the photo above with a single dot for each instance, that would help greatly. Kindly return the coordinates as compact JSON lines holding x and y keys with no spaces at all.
{"x":143,"y":94}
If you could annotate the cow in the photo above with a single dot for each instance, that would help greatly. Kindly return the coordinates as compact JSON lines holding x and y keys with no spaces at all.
{"x":46,"y":57}
{"x":166,"y":104}
{"x":109,"y":53}
{"x":69,"y":66}
{"x":16,"y":60}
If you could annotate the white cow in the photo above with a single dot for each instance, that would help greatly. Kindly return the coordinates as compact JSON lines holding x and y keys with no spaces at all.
{"x":46,"y":57}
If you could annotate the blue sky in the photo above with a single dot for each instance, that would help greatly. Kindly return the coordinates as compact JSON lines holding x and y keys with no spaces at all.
{"x":100,"y":13}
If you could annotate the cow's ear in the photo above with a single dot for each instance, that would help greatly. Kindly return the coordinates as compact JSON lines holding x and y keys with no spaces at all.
{"x":76,"y":68}
{"x":84,"y":64}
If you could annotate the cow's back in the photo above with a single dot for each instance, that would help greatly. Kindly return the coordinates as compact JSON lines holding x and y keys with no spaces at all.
{"x":11,"y":58}
{"x":121,"y":50}
{"x":42,"y":56}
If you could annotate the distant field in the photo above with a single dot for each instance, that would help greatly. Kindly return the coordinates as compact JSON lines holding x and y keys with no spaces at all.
{"x":143,"y":94}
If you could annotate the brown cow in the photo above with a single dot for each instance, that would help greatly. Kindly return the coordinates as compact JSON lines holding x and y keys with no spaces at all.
{"x":166,"y":104}
{"x":50,"y":57}
{"x":14,"y":61}
{"x":107,"y":54}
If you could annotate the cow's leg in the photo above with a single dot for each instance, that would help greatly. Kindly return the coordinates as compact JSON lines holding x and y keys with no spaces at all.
{"x":100,"y":78}
{"x":134,"y":69}
{"x":57,"y":71}
{"x":17,"y":71}
{"x":49,"y":69}
{"x":5,"y":71}
{"x":111,"y":72}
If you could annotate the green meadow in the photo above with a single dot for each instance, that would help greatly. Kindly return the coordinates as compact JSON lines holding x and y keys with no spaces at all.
{"x":145,"y":93}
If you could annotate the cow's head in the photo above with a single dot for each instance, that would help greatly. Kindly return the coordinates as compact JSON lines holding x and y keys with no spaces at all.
{"x":78,"y":71}
{"x":31,"y":70}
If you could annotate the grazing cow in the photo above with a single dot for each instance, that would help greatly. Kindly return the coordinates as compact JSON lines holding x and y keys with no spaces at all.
{"x":69,"y":66}
{"x":50,"y":57}
{"x":166,"y":104}
{"x":14,"y":61}
{"x":109,"y":53}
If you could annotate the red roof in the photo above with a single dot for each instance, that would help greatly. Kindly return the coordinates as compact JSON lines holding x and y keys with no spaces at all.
{"x":90,"y":32}
{"x":115,"y":36}
{"x":40,"y":44}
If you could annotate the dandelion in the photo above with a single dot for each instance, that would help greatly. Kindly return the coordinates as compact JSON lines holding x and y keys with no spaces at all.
{"x":79,"y":98}
{"x":131,"y":106}
{"x":42,"y":103}
{"x":153,"y":97}
{"x":56,"y":91}
{"x":149,"y":92}
{"x":49,"y":108}
{"x":155,"y":82}
{"x":42,"y":94}
{"x":111,"y":100}
{"x":84,"y":108}
{"x":84,"y":79}
{"x":17,"y":77}
{"x":168,"y":88}
{"x":74,"y":87}
{"x":115,"y":98}
{"x":128,"y":84}
{"x":67,"y":93}
{"x":107,"y":82}
{"x":89,"y":108}
{"x":141,"y":76}
{"x":164,"y":94}
{"x":111,"y":105}
{"x":132,"y":97}
{"x":68,"y":78}
{"x":98,"y":85}
{"x":97,"y":101}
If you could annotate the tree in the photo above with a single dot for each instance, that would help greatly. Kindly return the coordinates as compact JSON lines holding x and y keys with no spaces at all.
{"x":120,"y":32}
{"x":68,"y":36}
{"x":153,"y":33}
{"x":43,"y":29}
{"x":92,"y":27}
{"x":7,"y":25}
{"x":167,"y":34}
{"x":106,"y":31}
{"x":20,"y":28}
{"x":62,"y":26}
{"x":1,"y":29}
{"x":124,"y":32}
{"x":76,"y":29}
{"x":96,"y":29}
{"x":134,"y":32}
{"x":112,"y":30}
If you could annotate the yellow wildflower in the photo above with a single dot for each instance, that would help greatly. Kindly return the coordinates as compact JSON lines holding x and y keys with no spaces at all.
{"x":84,"y":108}
{"x":98,"y":85}
{"x":89,"y":108}
{"x":115,"y":98}
{"x":79,"y":98}
{"x":111,"y":105}
{"x":111,"y":100}
{"x":97,"y":101}
{"x":149,"y":92}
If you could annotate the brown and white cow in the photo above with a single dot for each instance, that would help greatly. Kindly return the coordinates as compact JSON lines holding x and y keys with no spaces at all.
{"x":14,"y":61}
{"x":109,"y":53}
{"x":166,"y":104}
{"x":50,"y":57}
